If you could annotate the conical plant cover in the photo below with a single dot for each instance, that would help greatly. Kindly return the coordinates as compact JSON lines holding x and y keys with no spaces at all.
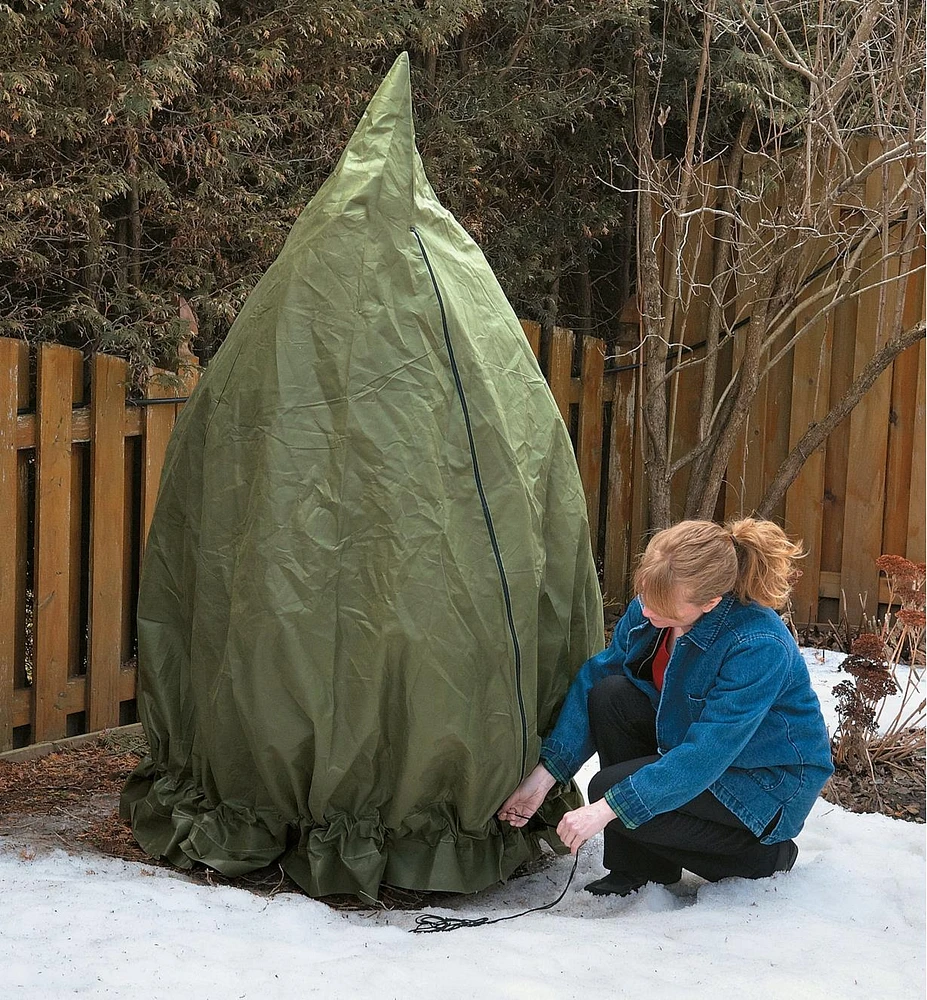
{"x":368,"y":579}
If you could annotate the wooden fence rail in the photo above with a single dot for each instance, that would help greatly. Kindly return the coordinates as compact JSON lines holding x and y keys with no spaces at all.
{"x":80,"y":465}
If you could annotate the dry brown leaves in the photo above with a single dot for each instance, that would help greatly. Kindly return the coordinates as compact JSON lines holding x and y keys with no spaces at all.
{"x":60,"y":779}
{"x":896,"y":791}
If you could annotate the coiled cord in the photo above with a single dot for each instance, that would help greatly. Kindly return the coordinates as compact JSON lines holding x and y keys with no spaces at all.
{"x":431,"y":923}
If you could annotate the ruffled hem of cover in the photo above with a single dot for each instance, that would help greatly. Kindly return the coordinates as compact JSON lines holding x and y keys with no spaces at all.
{"x":172,"y":819}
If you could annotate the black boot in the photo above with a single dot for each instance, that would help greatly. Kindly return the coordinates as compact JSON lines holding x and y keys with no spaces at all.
{"x":619,"y":884}
{"x":788,"y":852}
{"x":614,"y":884}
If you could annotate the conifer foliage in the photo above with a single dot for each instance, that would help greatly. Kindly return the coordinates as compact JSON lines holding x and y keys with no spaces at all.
{"x":150,"y":150}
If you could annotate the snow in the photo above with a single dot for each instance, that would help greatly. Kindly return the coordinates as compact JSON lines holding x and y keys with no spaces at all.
{"x":848,"y":921}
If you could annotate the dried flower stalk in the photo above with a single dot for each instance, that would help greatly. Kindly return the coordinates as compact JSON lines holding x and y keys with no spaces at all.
{"x":879,"y":659}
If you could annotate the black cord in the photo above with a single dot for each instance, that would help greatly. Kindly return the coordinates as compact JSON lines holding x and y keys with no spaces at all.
{"x":431,"y":923}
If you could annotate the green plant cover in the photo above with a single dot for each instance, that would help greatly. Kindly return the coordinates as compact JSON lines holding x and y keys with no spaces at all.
{"x":368,"y":580}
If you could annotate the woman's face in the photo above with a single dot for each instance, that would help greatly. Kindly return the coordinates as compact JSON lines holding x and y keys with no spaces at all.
{"x":685,"y":614}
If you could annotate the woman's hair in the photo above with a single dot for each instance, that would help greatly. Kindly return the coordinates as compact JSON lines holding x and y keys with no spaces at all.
{"x":701,"y":560}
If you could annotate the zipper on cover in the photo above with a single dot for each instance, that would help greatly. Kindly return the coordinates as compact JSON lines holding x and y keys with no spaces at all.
{"x":487,"y":514}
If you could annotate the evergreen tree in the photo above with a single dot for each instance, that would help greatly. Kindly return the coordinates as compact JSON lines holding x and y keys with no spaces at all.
{"x":155,"y":150}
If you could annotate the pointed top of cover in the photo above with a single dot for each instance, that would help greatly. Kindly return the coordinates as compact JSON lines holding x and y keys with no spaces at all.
{"x":389,"y":113}
{"x":380,"y":170}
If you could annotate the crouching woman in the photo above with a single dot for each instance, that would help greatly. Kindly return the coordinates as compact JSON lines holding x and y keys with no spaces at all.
{"x":711,"y":743}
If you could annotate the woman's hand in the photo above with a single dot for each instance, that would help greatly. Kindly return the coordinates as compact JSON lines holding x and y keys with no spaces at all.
{"x":580,"y":825}
{"x":525,"y":801}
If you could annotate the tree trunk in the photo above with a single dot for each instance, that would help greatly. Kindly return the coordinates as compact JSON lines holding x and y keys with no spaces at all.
{"x":431,"y":65}
{"x":584,"y":298}
{"x":653,"y":344}
{"x":463,"y":51}
{"x":135,"y":217}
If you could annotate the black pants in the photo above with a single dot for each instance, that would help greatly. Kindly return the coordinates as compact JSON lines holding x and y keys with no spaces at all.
{"x":702,"y":836}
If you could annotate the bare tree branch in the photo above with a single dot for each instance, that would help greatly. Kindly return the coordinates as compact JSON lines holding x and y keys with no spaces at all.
{"x":809,"y":213}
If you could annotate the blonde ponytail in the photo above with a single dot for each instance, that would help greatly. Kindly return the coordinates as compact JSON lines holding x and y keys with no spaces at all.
{"x":700,"y":560}
{"x":765,"y":560}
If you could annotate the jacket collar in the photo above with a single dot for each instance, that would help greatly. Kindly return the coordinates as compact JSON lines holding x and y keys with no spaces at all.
{"x":704,"y":632}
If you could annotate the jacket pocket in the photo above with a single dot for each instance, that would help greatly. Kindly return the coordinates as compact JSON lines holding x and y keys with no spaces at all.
{"x":767,"y":777}
{"x":696,"y":706}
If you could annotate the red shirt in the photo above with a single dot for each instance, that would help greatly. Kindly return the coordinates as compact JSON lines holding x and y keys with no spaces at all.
{"x":660,"y":660}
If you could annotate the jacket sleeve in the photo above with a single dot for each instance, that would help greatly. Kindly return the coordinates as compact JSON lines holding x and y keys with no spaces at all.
{"x":569,"y":745}
{"x":748,"y":683}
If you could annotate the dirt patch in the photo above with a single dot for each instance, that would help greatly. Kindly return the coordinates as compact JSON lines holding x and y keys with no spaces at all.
{"x":70,"y":799}
{"x":895,"y":790}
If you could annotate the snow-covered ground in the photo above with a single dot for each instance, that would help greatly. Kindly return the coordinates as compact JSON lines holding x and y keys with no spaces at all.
{"x":848,"y":921}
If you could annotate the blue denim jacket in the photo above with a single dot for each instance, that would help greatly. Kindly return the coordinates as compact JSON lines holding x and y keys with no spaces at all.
{"x":736,"y":715}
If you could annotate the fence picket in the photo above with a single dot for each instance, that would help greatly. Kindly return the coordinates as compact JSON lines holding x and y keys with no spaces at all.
{"x":693,"y":264}
{"x":52,"y":548}
{"x":77,"y":620}
{"x":22,"y":692}
{"x":918,"y":501}
{"x":533,"y":333}
{"x":905,"y":479}
{"x":106,"y":540}
{"x":618,"y":555}
{"x":869,"y":430}
{"x":157,"y":423}
{"x":837,"y":452}
{"x":130,"y":544}
{"x":639,"y":501}
{"x":561,"y":369}
{"x":12,"y":596}
{"x":776,"y":423}
{"x":898,"y":480}
{"x":589,"y":443}
{"x":804,"y":501}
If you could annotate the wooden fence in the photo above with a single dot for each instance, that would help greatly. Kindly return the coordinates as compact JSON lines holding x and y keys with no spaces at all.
{"x":79,"y":471}
{"x":860,"y":495}
{"x":80,"y":465}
